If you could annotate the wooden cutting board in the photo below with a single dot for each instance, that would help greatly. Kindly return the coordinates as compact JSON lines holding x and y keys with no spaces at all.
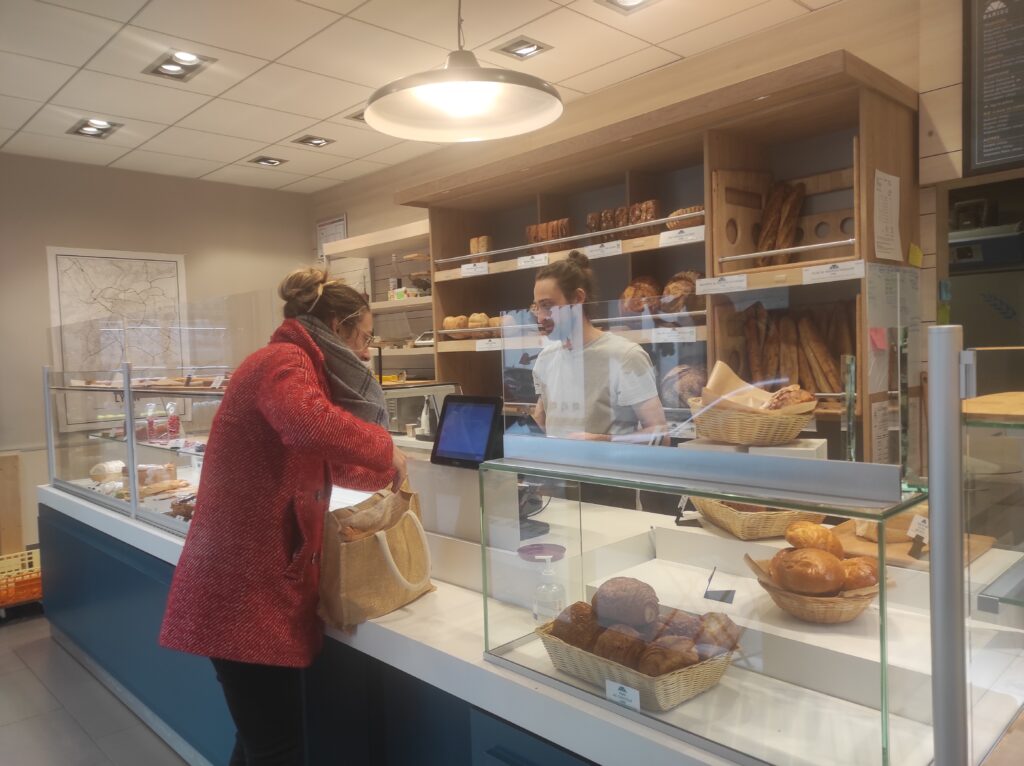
{"x":898,"y":554}
{"x":1007,"y":407}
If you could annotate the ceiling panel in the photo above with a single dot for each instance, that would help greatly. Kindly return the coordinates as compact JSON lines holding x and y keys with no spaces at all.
{"x":244,"y":121}
{"x":165,"y":164}
{"x":402,"y":152}
{"x":364,"y":54}
{"x":740,"y":25}
{"x":302,"y":161}
{"x":56,"y":120}
{"x":15,"y":111}
{"x":262,"y":28}
{"x":578,"y":44}
{"x":53,"y":148}
{"x":24,"y":77}
{"x":200,"y":145}
{"x":253,"y":176}
{"x":815,"y":4}
{"x":616,"y":71}
{"x":665,"y":18}
{"x":353,"y":169}
{"x":117,"y":95}
{"x":349,"y":141}
{"x":119,"y":10}
{"x":309,"y":185}
{"x":295,"y":90}
{"x":52,"y":33}
{"x":5,"y":134}
{"x":133,"y":50}
{"x":434,"y":22}
{"x":338,"y":6}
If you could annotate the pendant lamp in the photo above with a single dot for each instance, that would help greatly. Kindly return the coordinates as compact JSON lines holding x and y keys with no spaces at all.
{"x":463,"y":101}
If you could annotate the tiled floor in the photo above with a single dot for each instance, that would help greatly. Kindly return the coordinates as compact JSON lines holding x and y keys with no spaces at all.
{"x":54,"y":713}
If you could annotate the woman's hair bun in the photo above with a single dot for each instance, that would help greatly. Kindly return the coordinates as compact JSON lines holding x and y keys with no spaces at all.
{"x":299,"y":290}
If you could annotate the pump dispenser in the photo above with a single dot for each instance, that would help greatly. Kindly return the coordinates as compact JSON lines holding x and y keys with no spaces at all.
{"x":549,"y":597}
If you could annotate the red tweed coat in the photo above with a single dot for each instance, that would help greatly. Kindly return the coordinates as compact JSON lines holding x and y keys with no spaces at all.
{"x":246,"y":585}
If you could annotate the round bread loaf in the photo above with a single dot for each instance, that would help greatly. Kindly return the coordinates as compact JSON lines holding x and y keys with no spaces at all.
{"x":460,"y":322}
{"x":621,"y":644}
{"x":787,"y":397}
{"x":860,"y":572}
{"x":808,"y":571}
{"x":625,"y":600}
{"x":680,"y":293}
{"x":807,"y":534}
{"x":681,"y":383}
{"x":577,"y":625}
{"x":478,"y":321}
{"x":639,"y":294}
{"x":668,"y":653}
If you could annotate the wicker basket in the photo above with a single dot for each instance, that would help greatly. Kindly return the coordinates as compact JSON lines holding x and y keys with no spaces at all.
{"x":825,"y":610}
{"x":747,"y":525}
{"x":656,"y":693}
{"x":21,"y":578}
{"x":749,"y":428}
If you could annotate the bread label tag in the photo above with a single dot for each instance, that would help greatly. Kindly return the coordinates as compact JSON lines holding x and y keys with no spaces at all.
{"x":681,"y":236}
{"x":727,"y":284}
{"x":532,"y":261}
{"x":674,"y":335}
{"x":473,"y":269}
{"x":919,"y":528}
{"x":603,"y":249}
{"x":217,"y":382}
{"x":488,"y":344}
{"x":622,"y":695}
{"x":833,"y":272}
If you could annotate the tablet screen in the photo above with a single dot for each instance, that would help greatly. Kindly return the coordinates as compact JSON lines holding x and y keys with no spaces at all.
{"x":466,"y":430}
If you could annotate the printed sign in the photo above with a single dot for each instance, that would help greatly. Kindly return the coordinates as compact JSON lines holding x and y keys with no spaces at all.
{"x":674,"y":335}
{"x":473,"y":269}
{"x":681,"y":236}
{"x":622,"y":695}
{"x":833,"y":272}
{"x":725,"y":284}
{"x":603,"y":249}
{"x":531,"y":261}
{"x":488,"y":344}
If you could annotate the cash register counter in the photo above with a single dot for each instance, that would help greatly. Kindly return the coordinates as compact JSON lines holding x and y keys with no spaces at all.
{"x":409,"y":688}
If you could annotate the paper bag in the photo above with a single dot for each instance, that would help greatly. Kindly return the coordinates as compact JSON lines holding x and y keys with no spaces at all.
{"x":379,"y":572}
{"x":727,"y":390}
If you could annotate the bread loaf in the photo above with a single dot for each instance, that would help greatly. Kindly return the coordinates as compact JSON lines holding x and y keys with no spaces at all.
{"x":806,"y":375}
{"x":770,"y":220}
{"x":860,"y":572}
{"x":621,"y":644}
{"x":807,"y":571}
{"x":681,"y":383}
{"x":686,"y":222}
{"x":786,"y":236}
{"x":789,"y":346}
{"x":754,"y":350}
{"x":681,"y":293}
{"x":455,"y":323}
{"x":625,"y":600}
{"x":641,"y":293}
{"x":718,"y":635}
{"x":676,"y":623}
{"x":825,"y":372}
{"x":807,"y":534}
{"x":787,"y":397}
{"x":149,"y":473}
{"x":478,"y":321}
{"x":770,"y":360}
{"x":109,"y":470}
{"x":668,"y":653}
{"x":593,"y":221}
{"x":621,"y":217}
{"x":577,"y":625}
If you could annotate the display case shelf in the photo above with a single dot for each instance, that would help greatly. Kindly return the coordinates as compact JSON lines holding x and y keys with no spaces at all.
{"x":693,"y":334}
{"x":406,"y":304}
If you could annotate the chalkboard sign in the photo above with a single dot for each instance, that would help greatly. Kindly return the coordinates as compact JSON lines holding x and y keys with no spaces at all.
{"x":993,"y":85}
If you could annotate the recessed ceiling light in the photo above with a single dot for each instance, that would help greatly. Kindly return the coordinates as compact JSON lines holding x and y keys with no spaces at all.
{"x":89,"y":130}
{"x":626,"y":6}
{"x":172,"y":68}
{"x":315,"y":141}
{"x":185,"y":58}
{"x":267,"y":162}
{"x":178,"y":65}
{"x":95,"y":123}
{"x":93,"y":127}
{"x":522,"y":48}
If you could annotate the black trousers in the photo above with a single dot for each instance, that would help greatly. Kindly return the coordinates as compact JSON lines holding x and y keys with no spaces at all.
{"x":266,"y":706}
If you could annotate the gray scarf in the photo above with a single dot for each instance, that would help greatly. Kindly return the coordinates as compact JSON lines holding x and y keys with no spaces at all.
{"x":353,"y":386}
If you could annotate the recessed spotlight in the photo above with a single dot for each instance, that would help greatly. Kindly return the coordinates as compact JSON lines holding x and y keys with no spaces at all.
{"x":174,"y":69}
{"x":178,"y":65}
{"x":93,"y":127}
{"x":626,"y":6}
{"x":89,"y":130}
{"x":101,"y":124}
{"x":522,"y":48}
{"x":267,"y":162}
{"x":316,"y":142}
{"x":185,"y":58}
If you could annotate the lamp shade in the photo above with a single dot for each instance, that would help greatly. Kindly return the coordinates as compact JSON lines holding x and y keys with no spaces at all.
{"x":463,"y":102}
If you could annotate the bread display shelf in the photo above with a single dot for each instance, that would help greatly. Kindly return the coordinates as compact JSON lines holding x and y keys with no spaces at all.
{"x":407,"y":304}
{"x":898,"y":553}
{"x":148,"y":391}
{"x":655,"y":335}
{"x":787,"y":275}
{"x":823,"y":610}
{"x":415,"y":351}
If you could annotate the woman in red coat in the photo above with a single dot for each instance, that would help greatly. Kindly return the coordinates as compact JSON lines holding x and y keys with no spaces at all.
{"x":245,"y":589}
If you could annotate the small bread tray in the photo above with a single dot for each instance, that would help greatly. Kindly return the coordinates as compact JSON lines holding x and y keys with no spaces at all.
{"x":825,"y":610}
{"x":747,"y":525}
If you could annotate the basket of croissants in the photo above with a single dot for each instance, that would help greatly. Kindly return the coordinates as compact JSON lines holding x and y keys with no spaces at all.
{"x":624,"y":635}
{"x":813,"y":581}
{"x":751,"y":522}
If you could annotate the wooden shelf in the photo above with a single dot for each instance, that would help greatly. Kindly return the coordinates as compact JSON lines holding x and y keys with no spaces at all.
{"x":409,"y":236}
{"x":789,"y":275}
{"x":408,"y":304}
{"x":421,"y":351}
{"x":697,"y":334}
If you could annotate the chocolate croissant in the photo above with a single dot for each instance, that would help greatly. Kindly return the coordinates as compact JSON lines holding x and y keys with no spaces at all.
{"x":621,"y":644}
{"x":668,"y":653}
{"x":577,"y":625}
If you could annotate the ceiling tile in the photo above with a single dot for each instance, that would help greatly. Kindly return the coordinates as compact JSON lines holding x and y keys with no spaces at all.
{"x":434,"y":22}
{"x":133,"y":50}
{"x":14,"y":111}
{"x":31,"y":78}
{"x":72,"y":150}
{"x":309,"y":185}
{"x":298,"y":91}
{"x":402,"y":152}
{"x":578,"y":44}
{"x":302,"y":161}
{"x":55,"y":120}
{"x":338,"y":6}
{"x":616,"y":71}
{"x":263,"y":28}
{"x":664,"y":19}
{"x":5,"y":134}
{"x":120,"y":10}
{"x":353,"y":169}
{"x":200,"y":145}
{"x":568,"y":94}
{"x":740,"y":25}
{"x":253,"y":176}
{"x":52,"y":33}
{"x":233,"y":119}
{"x":117,"y":95}
{"x":165,"y":164}
{"x":816,"y":4}
{"x":364,"y":54}
{"x":349,"y":141}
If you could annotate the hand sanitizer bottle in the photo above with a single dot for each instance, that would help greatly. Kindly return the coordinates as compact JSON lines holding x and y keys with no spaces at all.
{"x":549,"y":597}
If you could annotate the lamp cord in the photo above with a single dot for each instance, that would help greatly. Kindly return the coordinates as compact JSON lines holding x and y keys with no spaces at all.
{"x":459,"y":35}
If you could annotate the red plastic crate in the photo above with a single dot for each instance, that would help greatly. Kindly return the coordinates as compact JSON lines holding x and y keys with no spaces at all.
{"x":21,"y":578}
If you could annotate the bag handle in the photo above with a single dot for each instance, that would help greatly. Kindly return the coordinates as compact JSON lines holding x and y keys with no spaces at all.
{"x":390,"y":560}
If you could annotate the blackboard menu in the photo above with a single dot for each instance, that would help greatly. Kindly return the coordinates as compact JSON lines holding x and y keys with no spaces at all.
{"x":994,"y":85}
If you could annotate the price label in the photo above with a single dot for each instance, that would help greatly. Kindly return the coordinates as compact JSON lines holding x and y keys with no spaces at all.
{"x":603,"y":249}
{"x":918,"y":528}
{"x":727,"y":284}
{"x":833,"y":272}
{"x":674,"y":335}
{"x":681,"y":236}
{"x":488,"y":344}
{"x":621,"y":694}
{"x":217,"y":382}
{"x":473,"y":269}
{"x":532,"y":261}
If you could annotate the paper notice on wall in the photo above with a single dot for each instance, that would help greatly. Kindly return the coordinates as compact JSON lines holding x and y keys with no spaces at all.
{"x":887,"y":217}
{"x":880,"y":431}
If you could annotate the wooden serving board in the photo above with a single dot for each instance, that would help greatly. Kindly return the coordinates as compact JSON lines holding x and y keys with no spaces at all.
{"x":1007,"y":407}
{"x":899,"y":553}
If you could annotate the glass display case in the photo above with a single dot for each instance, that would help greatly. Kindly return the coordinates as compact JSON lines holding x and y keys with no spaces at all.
{"x":702,"y":622}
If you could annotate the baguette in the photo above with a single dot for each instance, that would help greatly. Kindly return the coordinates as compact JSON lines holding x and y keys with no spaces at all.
{"x":787,"y":221}
{"x":762,"y":322}
{"x":807,"y":382}
{"x":789,"y":364}
{"x":844,"y":343}
{"x":819,"y":357}
{"x":770,"y":360}
{"x":770,"y":220}
{"x":753,"y":348}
